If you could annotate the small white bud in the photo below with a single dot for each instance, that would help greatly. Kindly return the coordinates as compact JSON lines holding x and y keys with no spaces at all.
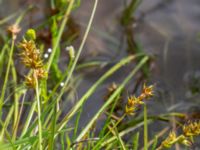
{"x":71,"y":51}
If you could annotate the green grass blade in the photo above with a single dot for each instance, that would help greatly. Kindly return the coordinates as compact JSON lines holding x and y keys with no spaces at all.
{"x":136,"y":141}
{"x":122,"y":133}
{"x":77,"y":123}
{"x":123,"y":147}
{"x":66,"y":16}
{"x":79,"y":51}
{"x":154,"y":143}
{"x":38,"y":112}
{"x":6,"y":76}
{"x":6,"y":123}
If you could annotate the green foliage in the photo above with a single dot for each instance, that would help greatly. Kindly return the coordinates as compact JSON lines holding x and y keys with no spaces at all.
{"x":127,"y":15}
{"x":136,"y":141}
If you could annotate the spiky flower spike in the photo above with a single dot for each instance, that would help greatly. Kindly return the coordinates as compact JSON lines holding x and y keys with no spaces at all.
{"x":192,"y":128}
{"x":132,"y":105}
{"x":147,"y":92}
{"x":189,"y":130}
{"x":31,"y":58}
{"x":170,"y":140}
{"x":30,"y":55}
{"x":30,"y":81}
{"x":134,"y":102}
{"x":41,"y":73}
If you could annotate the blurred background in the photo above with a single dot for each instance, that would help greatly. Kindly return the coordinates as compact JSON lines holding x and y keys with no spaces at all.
{"x":167,"y":30}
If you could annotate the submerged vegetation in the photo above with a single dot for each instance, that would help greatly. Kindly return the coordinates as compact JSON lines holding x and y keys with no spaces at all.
{"x":37,"y":110}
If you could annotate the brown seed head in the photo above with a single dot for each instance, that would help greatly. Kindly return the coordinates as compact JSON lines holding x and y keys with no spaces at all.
{"x":14,"y":30}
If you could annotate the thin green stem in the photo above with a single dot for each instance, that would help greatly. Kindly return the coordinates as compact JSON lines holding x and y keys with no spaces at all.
{"x":62,"y":27}
{"x":122,"y":133}
{"x":79,"y":51}
{"x":29,"y":118}
{"x":107,"y":134}
{"x":6,"y":76}
{"x":6,"y":123}
{"x":53,"y":128}
{"x":145,"y":128}
{"x":115,"y":132}
{"x":63,"y":77}
{"x":15,"y":126}
{"x":16,"y":100}
{"x":39,"y":111}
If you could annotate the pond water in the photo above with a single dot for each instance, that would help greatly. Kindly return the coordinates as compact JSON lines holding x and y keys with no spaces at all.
{"x":168,"y":29}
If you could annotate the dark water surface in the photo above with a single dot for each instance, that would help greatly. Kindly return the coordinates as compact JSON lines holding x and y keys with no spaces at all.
{"x":169,"y":29}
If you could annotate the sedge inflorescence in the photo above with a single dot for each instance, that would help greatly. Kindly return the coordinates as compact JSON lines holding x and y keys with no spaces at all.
{"x":31,"y":58}
{"x":192,"y":128}
{"x":30,"y":55}
{"x":170,"y":140}
{"x":134,"y":102}
{"x":189,"y":130}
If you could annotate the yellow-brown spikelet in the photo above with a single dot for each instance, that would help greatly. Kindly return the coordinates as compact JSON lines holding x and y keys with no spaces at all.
{"x":132,"y":105}
{"x":133,"y":102}
{"x":30,"y":81}
{"x":147,"y":92}
{"x":192,"y":128}
{"x":172,"y":139}
{"x":169,"y":141}
{"x":130,"y":110}
{"x":41,"y":73}
{"x":30,"y":55}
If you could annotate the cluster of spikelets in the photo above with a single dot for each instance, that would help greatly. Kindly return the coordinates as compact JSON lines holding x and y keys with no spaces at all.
{"x":31,"y":58}
{"x":190,"y":130}
{"x":134,"y":102}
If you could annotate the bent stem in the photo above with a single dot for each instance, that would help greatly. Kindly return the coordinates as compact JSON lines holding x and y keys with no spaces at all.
{"x":39,"y":111}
